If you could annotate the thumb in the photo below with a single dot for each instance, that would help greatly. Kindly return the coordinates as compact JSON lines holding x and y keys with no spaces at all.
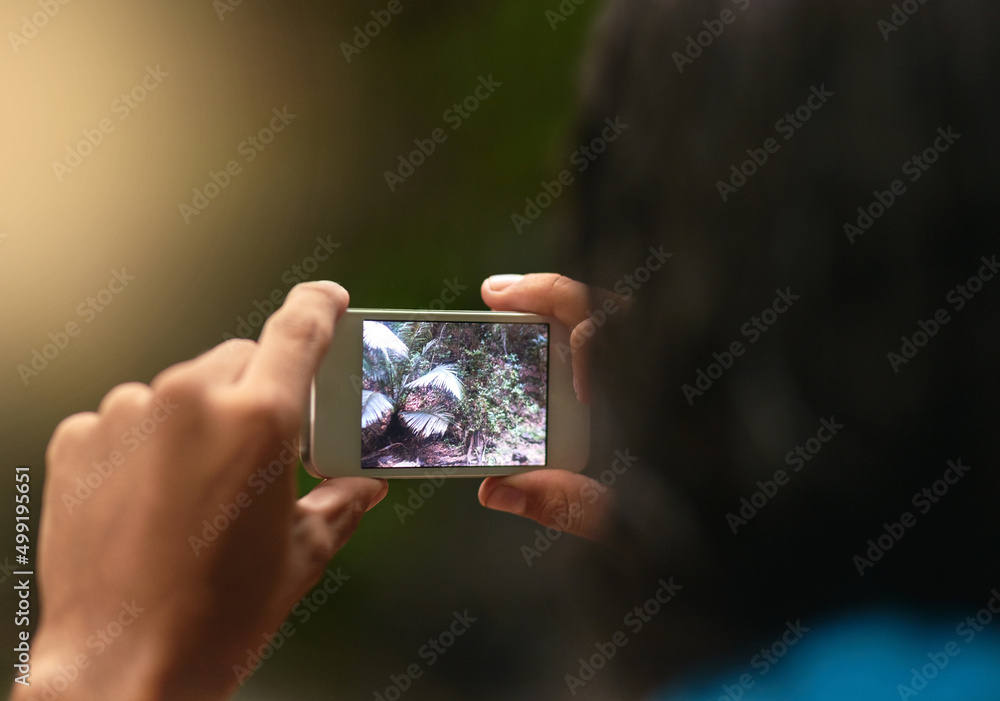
{"x":556,"y":499}
{"x":325,"y":519}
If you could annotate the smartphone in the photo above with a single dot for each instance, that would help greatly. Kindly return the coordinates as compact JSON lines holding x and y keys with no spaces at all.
{"x":450,"y":393}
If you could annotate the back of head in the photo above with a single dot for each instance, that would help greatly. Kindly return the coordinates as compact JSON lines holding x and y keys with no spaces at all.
{"x":822,"y":174}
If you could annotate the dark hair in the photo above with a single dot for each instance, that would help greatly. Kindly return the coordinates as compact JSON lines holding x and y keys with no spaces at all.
{"x":704,"y":88}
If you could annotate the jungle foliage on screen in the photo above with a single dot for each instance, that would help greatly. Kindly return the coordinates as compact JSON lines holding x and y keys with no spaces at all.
{"x":453,"y":393}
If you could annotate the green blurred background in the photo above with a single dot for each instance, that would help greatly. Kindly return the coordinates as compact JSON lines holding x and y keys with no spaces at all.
{"x":321,"y":177}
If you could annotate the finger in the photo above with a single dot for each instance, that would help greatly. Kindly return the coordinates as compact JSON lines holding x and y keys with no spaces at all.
{"x":330,"y":513}
{"x":539,"y":293}
{"x":556,"y":499}
{"x":293,"y":342}
{"x":580,"y":357}
{"x":223,"y":365}
{"x":125,"y":399}
{"x":552,"y":295}
{"x":69,"y":439}
{"x":327,"y":496}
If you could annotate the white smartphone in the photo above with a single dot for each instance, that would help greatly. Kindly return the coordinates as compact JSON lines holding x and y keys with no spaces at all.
{"x":450,"y":393}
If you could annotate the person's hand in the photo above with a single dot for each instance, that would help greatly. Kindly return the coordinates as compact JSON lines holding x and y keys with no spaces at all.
{"x":188,"y":546}
{"x":554,"y":498}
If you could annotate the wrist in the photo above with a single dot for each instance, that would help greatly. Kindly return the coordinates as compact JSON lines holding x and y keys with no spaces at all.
{"x":84,"y":673}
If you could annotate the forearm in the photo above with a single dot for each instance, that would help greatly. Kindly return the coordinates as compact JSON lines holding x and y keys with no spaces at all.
{"x":135,"y":671}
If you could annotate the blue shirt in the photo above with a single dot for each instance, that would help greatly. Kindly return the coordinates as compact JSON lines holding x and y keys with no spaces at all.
{"x":878,"y":654}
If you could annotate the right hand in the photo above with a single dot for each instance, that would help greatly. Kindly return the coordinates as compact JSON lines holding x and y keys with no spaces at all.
{"x":222,"y":434}
{"x":557,"y":499}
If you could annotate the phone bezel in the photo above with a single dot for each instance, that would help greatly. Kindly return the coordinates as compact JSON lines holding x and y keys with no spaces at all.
{"x":335,"y":402}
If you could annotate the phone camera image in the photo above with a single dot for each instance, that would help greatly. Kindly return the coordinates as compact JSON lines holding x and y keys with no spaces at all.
{"x":455,"y":393}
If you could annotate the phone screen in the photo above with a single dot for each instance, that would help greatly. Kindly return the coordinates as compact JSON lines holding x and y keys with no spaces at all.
{"x":440,"y":394}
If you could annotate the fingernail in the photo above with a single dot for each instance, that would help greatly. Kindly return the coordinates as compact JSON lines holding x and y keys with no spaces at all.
{"x":502,"y":282}
{"x":507,"y":499}
{"x":379,"y":496}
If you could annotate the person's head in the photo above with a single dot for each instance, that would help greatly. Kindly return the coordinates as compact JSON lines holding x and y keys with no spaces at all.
{"x":823,"y":174}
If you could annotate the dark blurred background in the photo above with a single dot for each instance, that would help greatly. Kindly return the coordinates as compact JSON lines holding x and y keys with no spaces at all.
{"x":228,"y":66}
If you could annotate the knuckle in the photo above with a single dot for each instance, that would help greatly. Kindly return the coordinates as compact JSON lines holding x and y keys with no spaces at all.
{"x":264,"y":414}
{"x":321,"y":547}
{"x":555,"y":509}
{"x":564,"y":286}
{"x":571,"y":296}
{"x":125,"y":399}
{"x":353,"y":512}
{"x":329,"y":533}
{"x":238,"y":346}
{"x":581,"y":334}
{"x":177,"y":381}
{"x":306,"y":325}
{"x":321,"y":552}
{"x":334,"y":294}
{"x":185,"y":399}
{"x":69,"y":434}
{"x":346,"y":522}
